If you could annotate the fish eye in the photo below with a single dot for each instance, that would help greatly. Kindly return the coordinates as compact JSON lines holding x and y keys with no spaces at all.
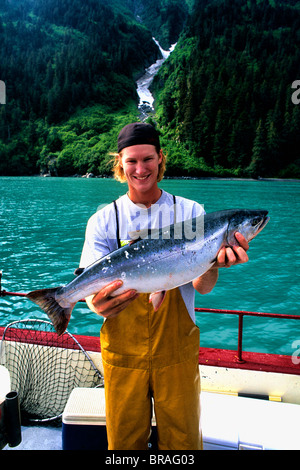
{"x":255,"y":221}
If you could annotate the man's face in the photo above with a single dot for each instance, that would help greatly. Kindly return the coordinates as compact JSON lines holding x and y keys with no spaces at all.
{"x":140,"y":164}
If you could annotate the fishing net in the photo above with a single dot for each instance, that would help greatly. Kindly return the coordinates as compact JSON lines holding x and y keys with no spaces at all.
{"x":44,"y":368}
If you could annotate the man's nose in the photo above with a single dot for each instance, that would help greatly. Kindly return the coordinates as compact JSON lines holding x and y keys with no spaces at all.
{"x":140,"y":168}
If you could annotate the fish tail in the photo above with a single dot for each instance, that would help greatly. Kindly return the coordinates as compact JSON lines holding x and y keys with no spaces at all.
{"x":59,"y":316}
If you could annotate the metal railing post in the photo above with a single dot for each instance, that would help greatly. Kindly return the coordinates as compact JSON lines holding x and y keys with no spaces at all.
{"x":240,"y":338}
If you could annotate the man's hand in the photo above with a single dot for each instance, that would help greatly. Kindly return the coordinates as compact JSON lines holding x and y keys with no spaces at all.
{"x":237,"y":254}
{"x":227,"y":256}
{"x":108,"y":306}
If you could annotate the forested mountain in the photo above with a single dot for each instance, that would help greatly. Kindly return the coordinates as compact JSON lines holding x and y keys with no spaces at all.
{"x":60,"y":57}
{"x":164,"y":18}
{"x":224,"y":96}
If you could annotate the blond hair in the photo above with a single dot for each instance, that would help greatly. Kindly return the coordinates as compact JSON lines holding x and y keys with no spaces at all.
{"x":119,"y":172}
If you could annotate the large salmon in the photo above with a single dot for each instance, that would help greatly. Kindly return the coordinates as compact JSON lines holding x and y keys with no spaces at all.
{"x":159,"y":261}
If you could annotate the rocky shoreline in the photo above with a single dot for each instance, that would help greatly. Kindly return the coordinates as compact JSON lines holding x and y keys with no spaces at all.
{"x":217,"y":178}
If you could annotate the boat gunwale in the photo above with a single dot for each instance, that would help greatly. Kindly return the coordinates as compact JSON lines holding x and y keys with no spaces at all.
{"x":216,"y":357}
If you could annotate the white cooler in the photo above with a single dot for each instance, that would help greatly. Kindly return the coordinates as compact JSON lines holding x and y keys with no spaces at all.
{"x":83,"y":420}
{"x":239,"y":423}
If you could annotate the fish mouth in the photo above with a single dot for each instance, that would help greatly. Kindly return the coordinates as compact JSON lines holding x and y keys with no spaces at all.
{"x":264,"y":222}
{"x":261,"y":225}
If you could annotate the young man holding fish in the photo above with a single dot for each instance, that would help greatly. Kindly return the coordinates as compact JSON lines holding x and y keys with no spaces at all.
{"x":149,"y":353}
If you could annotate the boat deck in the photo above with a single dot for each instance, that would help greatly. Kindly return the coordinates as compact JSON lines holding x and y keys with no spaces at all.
{"x":39,"y":438}
{"x":248,"y":400}
{"x":228,"y":423}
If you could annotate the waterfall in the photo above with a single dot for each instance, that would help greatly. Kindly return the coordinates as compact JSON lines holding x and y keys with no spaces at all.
{"x":143,"y":84}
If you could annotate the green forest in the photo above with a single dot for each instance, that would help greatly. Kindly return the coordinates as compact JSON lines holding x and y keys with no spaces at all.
{"x":223,"y":101}
{"x":225,"y":94}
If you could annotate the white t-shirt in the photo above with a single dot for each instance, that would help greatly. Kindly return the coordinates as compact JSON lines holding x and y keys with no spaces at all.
{"x":102,"y":231}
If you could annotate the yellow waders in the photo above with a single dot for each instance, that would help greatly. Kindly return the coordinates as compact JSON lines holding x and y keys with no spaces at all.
{"x":152,"y":354}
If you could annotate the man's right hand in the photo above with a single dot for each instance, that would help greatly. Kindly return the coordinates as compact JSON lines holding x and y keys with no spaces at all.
{"x":107,"y":305}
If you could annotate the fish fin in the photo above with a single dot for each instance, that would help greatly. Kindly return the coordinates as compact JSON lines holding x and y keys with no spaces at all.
{"x":132,"y":242}
{"x":78,"y":271}
{"x":139,"y":234}
{"x":45,"y":298}
{"x":157,"y":299}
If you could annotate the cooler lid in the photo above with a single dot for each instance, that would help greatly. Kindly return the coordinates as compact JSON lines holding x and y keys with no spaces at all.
{"x":85,"y":406}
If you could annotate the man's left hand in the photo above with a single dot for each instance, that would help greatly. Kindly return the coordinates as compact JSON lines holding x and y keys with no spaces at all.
{"x":236,"y":254}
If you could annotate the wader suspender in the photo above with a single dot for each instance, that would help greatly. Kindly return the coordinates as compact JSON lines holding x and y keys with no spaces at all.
{"x":117,"y":220}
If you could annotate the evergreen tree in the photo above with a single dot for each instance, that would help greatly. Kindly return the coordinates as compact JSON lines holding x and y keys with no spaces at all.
{"x":257,"y":166}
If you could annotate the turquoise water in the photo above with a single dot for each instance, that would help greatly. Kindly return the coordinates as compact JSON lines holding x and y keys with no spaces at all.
{"x":42,"y":228}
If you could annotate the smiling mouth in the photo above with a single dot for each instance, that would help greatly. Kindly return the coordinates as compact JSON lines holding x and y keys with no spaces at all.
{"x":141,"y":178}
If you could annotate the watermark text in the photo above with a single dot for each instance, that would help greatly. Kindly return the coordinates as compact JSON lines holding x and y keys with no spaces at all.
{"x":296,"y":353}
{"x":296,"y":95}
{"x":2,"y":92}
{"x":146,"y":222}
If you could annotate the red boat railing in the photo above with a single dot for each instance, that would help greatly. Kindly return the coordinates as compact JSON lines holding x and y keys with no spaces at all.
{"x":241,"y":314}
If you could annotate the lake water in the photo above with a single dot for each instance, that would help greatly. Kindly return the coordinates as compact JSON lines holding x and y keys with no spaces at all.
{"x":42,"y":229}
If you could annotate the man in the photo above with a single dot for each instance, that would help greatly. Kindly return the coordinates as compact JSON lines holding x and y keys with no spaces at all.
{"x":149,"y":354}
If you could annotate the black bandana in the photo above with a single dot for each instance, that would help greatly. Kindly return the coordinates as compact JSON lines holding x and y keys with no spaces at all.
{"x":136,"y":134}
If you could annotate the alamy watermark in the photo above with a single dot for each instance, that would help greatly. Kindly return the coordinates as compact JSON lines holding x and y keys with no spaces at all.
{"x":296,"y":353}
{"x":296,"y":95}
{"x":145,"y":223}
{"x":2,"y":92}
